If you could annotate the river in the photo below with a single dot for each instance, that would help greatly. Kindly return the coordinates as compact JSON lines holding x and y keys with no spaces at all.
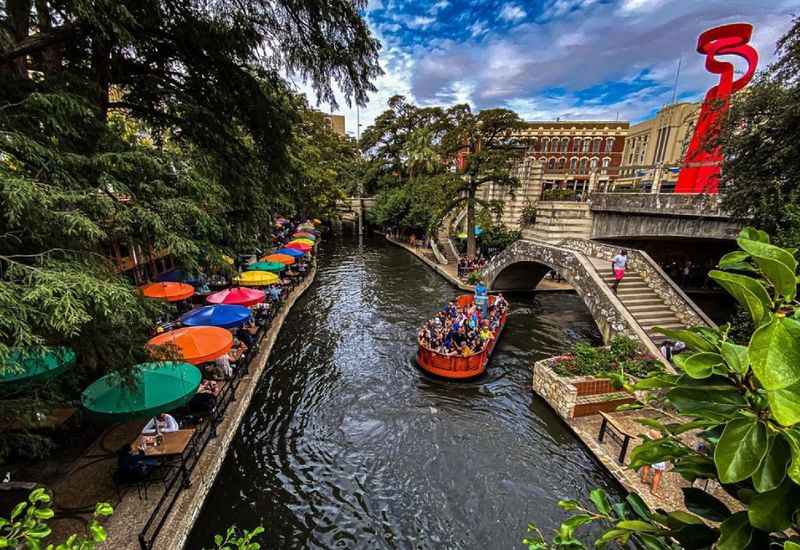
{"x":348,"y":445}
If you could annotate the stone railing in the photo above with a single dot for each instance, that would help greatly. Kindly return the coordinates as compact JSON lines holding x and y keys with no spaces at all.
{"x":661,"y":283}
{"x":672,"y":204}
{"x":611,"y":316}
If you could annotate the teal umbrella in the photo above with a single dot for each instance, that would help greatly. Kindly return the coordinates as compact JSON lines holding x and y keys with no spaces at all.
{"x":155,"y":388}
{"x":274,"y":267}
{"x":21,"y":366}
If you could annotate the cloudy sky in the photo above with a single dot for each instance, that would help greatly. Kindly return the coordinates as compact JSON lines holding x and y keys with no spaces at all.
{"x":574,"y":59}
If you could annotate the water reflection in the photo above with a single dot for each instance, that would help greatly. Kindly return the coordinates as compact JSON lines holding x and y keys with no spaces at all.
{"x":347,"y":444}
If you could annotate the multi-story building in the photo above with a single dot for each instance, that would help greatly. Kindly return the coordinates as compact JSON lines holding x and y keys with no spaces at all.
{"x":655,"y":148}
{"x":574,"y":154}
{"x":336,"y":123}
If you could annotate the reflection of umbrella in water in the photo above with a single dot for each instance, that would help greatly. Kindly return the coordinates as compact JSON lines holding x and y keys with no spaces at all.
{"x":22,"y":366}
{"x":218,"y":315}
{"x":169,"y":291}
{"x":155,"y":388}
{"x":196,"y":344}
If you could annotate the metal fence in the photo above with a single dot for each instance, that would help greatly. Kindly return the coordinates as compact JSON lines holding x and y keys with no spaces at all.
{"x":179,"y":476}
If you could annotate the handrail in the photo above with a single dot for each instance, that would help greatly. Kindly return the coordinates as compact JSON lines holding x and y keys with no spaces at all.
{"x":441,"y":258}
{"x":200,"y":439}
{"x":453,"y":248}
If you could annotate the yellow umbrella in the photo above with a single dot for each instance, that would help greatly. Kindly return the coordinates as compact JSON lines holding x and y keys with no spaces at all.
{"x":309,"y":242}
{"x":257,"y":278}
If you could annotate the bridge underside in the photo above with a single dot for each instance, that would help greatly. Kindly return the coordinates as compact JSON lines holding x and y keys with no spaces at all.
{"x":622,"y":225}
{"x":523,"y":275}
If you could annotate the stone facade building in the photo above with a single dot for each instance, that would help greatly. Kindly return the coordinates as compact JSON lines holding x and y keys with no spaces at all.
{"x":336,"y":123}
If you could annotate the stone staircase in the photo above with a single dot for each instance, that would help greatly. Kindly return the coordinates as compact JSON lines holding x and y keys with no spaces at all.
{"x":647,"y":307}
{"x":558,"y":220}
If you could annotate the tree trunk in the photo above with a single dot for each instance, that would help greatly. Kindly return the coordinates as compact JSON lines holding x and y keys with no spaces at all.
{"x":101,"y":61}
{"x":19,"y":12}
{"x":471,"y":222}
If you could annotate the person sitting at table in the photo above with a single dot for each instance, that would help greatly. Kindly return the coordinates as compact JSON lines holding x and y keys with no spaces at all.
{"x":133,"y":464}
{"x":205,"y":400}
{"x":238,"y":350}
{"x":222,"y":366}
{"x":247,"y":333}
{"x":163,"y":423}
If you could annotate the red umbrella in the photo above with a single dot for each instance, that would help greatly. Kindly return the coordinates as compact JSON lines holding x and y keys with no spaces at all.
{"x":171,"y":292}
{"x":299,"y":246}
{"x":237,"y":296}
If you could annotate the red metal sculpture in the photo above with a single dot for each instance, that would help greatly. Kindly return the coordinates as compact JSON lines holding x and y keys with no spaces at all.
{"x":701,"y":167}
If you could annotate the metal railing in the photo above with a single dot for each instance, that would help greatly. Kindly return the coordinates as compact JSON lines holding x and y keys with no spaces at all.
{"x":179,"y":478}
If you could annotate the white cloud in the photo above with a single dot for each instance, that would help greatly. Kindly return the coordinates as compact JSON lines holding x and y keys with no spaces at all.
{"x":512,"y":12}
{"x":438,"y":6}
{"x":477,"y":28}
{"x":421,"y":22}
{"x":630,"y":6}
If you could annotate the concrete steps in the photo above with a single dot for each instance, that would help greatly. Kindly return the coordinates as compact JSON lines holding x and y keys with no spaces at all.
{"x":556,"y":221}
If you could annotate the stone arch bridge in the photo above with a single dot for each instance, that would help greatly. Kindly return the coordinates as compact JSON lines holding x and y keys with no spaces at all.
{"x":647,"y":297}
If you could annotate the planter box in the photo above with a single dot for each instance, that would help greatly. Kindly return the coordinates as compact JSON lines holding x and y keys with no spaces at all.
{"x":577,"y":396}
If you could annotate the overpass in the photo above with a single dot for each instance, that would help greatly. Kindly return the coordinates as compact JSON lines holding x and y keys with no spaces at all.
{"x":647,"y":297}
{"x":353,"y":207}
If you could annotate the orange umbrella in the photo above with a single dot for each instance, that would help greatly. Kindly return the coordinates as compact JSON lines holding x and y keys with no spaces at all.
{"x":299,"y":246}
{"x":196,"y":344}
{"x":171,"y":292}
{"x":282,"y":258}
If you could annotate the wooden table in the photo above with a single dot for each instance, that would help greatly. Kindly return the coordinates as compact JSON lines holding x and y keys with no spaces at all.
{"x":173,"y":443}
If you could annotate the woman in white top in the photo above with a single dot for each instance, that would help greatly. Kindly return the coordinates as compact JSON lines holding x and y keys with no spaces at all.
{"x":163,"y":423}
{"x":618,"y":265}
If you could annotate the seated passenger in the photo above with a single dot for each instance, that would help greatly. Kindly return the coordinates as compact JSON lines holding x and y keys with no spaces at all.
{"x":162,"y":423}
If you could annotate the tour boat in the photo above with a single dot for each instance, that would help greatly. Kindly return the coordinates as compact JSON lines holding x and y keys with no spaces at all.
{"x":460,"y":366}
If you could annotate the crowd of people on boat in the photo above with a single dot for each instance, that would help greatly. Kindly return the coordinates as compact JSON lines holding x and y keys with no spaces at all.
{"x":463,"y":330}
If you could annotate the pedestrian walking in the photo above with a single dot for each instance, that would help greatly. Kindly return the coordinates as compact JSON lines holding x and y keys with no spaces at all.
{"x":618,"y":265}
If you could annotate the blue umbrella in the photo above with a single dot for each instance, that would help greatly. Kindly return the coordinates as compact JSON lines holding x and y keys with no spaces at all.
{"x":293,"y":252}
{"x":219,"y":315}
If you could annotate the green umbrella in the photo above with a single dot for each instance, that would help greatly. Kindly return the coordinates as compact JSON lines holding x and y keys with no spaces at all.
{"x":156,"y":388}
{"x":266,"y":266}
{"x":23,"y":366}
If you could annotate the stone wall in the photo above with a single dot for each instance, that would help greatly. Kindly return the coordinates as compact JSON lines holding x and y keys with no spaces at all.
{"x":641,"y":263}
{"x":557,"y":391}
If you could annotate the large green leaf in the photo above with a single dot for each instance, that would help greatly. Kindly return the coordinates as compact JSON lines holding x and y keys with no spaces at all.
{"x":793,"y":439}
{"x":747,"y":291}
{"x":733,"y":259}
{"x":772,"y":470}
{"x":691,"y":339}
{"x":706,"y":402}
{"x":699,"y":365}
{"x":735,"y":533}
{"x":775,"y":353}
{"x":735,"y":356}
{"x":759,"y":249}
{"x":772,"y":511}
{"x":740,"y":449}
{"x":785,"y":404}
{"x":754,"y":234}
{"x":704,"y":505}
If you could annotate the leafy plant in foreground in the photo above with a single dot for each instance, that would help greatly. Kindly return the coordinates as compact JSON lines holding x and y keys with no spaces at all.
{"x":743,"y":401}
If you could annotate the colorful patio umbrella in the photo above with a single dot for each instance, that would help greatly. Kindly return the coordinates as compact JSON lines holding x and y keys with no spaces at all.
{"x":156,"y":388}
{"x":305,"y":227}
{"x":237,"y":296}
{"x":21,"y":366}
{"x":257,"y":278}
{"x":309,"y":242}
{"x":293,"y":252}
{"x":218,"y":315}
{"x":171,"y":292}
{"x":196,"y":344}
{"x":299,"y":246}
{"x":282,"y":258}
{"x":304,"y":235}
{"x":265,"y":266}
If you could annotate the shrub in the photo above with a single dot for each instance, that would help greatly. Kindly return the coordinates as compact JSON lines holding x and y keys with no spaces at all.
{"x":622,"y":354}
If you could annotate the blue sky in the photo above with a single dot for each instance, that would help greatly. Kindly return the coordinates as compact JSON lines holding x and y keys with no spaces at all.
{"x":574,"y":59}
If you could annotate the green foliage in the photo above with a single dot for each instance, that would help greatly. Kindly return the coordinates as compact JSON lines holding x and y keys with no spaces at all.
{"x":742,"y":399}
{"x":238,"y":540}
{"x":26,"y":527}
{"x":622,"y":355}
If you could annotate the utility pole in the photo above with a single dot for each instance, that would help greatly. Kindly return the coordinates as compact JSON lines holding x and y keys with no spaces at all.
{"x":360,"y":181}
{"x":675,"y":87}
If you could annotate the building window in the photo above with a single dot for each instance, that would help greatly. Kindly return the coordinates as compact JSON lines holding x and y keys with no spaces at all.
{"x":586,"y":144}
{"x":543,"y":162}
{"x":564,"y":144}
{"x":535,"y":145}
{"x":605,"y":165}
{"x":551,"y":166}
{"x":545,"y":145}
{"x":562,"y":162}
{"x":609,"y":144}
{"x":576,"y":144}
{"x":584,"y":166}
{"x":596,"y":145}
{"x":573,"y":165}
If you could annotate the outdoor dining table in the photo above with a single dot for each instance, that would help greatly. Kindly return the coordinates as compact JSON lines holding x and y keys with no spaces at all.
{"x":172,"y":443}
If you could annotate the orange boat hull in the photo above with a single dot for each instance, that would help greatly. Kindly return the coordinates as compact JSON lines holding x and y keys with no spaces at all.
{"x":459,"y":367}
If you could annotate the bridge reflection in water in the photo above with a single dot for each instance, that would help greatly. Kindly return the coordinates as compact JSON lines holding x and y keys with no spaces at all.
{"x":348,"y":444}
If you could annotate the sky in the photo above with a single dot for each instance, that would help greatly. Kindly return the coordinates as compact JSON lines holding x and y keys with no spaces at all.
{"x":548,"y":59}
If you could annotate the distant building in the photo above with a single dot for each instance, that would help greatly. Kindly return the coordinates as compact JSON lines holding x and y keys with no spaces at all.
{"x":573,"y":153}
{"x":655,"y":148}
{"x":336,"y":123}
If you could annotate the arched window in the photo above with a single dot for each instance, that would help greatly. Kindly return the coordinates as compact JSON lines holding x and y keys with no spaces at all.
{"x":564,"y":144}
{"x":562,"y":162}
{"x":605,"y":165}
{"x":554,"y":146}
{"x":573,"y":165}
{"x":552,"y":164}
{"x":545,"y":145}
{"x":596,"y":143}
{"x":535,"y":144}
{"x":609,"y":144}
{"x":576,"y":144}
{"x":593,"y":164}
{"x":543,"y":162}
{"x":584,"y":166}
{"x":586,"y":144}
